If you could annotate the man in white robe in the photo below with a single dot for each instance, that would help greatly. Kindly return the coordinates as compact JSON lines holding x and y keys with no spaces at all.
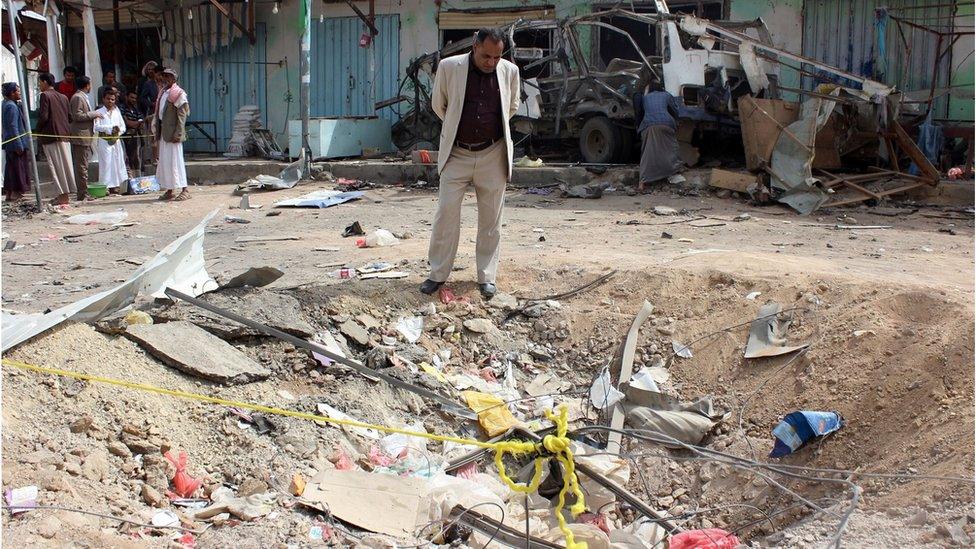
{"x":172,"y":110}
{"x":111,"y":154}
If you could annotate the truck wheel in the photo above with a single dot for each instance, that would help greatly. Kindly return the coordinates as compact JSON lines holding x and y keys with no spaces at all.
{"x":599,"y":140}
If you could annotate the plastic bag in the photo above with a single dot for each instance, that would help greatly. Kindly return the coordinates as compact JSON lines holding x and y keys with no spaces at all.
{"x":106,"y":218}
{"x":183,"y":484}
{"x":711,"y":538}
{"x":379,"y":238}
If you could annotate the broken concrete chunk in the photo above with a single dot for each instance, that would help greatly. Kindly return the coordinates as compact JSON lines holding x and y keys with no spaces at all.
{"x":665,"y":210}
{"x":478,"y":325}
{"x":355,"y":332}
{"x":191,"y":349}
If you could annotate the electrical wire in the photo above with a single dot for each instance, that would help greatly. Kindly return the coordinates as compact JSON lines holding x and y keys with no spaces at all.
{"x":455,"y":521}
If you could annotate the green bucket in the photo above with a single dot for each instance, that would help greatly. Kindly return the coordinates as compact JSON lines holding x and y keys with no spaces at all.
{"x":97,"y":191}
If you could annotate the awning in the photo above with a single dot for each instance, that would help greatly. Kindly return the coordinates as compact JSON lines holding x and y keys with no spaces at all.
{"x":467,"y":19}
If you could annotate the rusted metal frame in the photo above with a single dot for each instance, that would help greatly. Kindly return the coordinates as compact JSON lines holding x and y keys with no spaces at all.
{"x":233,"y":20}
{"x":929,"y":29}
{"x":779,"y":52}
{"x":359,"y":13}
{"x":882,"y":194}
{"x":646,"y":63}
{"x":909,"y":147}
{"x":851,"y":184}
{"x":935,"y":68}
{"x":908,"y":52}
{"x":902,"y":175}
{"x":782,"y":128}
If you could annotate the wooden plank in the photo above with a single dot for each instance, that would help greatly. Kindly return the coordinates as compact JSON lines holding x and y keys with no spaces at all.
{"x":911,"y":149}
{"x":733,"y":181}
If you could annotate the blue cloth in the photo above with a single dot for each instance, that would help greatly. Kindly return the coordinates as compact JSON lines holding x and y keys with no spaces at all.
{"x":660,"y":109}
{"x":930,"y":142}
{"x":13,"y":125}
{"x":799,"y":427}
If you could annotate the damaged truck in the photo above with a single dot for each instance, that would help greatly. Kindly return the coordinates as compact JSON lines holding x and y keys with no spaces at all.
{"x":568,"y":97}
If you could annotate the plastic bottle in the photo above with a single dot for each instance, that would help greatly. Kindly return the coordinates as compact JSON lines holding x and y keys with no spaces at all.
{"x":343,"y":273}
{"x":378,"y":239}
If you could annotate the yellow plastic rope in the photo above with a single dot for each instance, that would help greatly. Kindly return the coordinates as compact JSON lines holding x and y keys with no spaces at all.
{"x":557,"y":445}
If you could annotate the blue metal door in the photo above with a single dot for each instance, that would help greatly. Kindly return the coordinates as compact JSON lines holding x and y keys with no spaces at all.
{"x":218,"y":86}
{"x":340,"y":84}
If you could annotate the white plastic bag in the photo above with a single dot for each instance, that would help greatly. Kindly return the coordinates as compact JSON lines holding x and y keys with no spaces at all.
{"x":106,"y":218}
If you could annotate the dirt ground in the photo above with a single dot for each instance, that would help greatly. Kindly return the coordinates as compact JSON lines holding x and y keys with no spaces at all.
{"x":888,"y":313}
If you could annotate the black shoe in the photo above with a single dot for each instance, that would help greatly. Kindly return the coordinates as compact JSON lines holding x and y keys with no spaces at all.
{"x":429,"y":286}
{"x":487,"y":290}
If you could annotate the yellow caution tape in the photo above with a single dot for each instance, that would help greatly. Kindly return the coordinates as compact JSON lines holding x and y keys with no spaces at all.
{"x":120,"y":136}
{"x":557,"y":445}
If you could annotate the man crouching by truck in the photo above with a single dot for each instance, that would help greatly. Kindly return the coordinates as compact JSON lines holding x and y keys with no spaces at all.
{"x":657,"y":111}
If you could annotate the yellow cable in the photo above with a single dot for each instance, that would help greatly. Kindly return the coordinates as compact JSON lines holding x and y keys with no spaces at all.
{"x":557,"y":445}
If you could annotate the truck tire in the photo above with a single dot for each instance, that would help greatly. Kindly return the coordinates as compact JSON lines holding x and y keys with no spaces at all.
{"x":599,"y":141}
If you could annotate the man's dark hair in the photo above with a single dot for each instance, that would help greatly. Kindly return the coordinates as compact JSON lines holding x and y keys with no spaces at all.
{"x":108,"y":73}
{"x":82,"y":81}
{"x":656,"y":85}
{"x":494,"y":35}
{"x":132,"y":92}
{"x":47,"y":78}
{"x":70,"y":69}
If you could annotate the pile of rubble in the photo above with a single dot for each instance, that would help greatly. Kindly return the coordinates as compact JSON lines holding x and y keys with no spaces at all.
{"x":359,"y":413}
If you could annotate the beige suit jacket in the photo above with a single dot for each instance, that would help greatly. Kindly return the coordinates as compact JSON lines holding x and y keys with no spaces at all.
{"x":447,"y":101}
{"x":82,"y":115}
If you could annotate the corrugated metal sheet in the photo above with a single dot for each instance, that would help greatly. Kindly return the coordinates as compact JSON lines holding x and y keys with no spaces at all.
{"x":340,"y":82}
{"x":217,"y":86}
{"x":448,"y":20}
{"x":845,"y":34}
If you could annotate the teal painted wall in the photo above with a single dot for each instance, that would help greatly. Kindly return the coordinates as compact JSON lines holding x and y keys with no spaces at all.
{"x":784,"y":18}
{"x":961,"y":98}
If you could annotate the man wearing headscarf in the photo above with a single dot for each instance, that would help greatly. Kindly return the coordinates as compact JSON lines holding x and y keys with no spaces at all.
{"x":172,"y":110}
{"x":16,"y":145}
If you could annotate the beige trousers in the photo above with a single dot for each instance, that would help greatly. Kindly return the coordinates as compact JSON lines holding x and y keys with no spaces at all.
{"x":59,"y":158}
{"x":487,"y":171}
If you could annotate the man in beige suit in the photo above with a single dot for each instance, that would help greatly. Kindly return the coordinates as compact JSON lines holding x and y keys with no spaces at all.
{"x":475,"y":95}
{"x":82,"y":116}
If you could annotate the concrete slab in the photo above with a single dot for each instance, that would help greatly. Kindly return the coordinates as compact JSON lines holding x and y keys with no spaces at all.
{"x":191,"y":349}
{"x":280,"y":311}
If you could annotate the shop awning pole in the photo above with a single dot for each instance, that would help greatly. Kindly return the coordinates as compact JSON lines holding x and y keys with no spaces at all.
{"x":22,"y":82}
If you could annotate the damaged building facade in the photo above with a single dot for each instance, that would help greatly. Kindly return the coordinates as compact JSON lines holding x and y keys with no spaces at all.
{"x":231,"y":55}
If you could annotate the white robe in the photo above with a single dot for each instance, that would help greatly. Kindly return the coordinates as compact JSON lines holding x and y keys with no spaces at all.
{"x":171,"y":170}
{"x":111,"y":156}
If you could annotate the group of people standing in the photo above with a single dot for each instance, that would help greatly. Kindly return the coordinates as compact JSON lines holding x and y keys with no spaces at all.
{"x":124,"y":127}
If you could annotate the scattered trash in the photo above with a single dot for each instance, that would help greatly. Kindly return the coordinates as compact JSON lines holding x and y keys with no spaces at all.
{"x":799,"y":427}
{"x":287,"y":178}
{"x":711,"y":538}
{"x":297,"y":485}
{"x":355,"y":229}
{"x":542,"y":191}
{"x":379,"y":238}
{"x":681,"y":350}
{"x":184,"y":485}
{"x":165,"y":519}
{"x":588,"y":190}
{"x":862,"y":333}
{"x":143,"y":185}
{"x":447,"y":296}
{"x":320,"y":199}
{"x":603,"y":394}
{"x":246,"y":508}
{"x":667,"y":235}
{"x":245,"y":239}
{"x":493,"y":414}
{"x":526,"y":162}
{"x":103,"y":218}
{"x":343,"y":273}
{"x":235,"y":219}
{"x":767,"y":334}
{"x":411,"y":328}
{"x":385,"y":275}
{"x":329,"y":411}
{"x":255,"y":277}
{"x":135,"y":317}
{"x":753,"y":295}
{"x":664,"y":210}
{"x":21,"y":500}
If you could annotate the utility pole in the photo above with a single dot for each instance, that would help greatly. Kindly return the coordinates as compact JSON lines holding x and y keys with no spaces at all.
{"x":117,"y":48}
{"x":306,"y":78}
{"x":22,"y":82}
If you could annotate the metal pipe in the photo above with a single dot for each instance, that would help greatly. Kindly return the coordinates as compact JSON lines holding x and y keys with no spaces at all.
{"x":305,"y":44}
{"x":22,"y":81}
{"x":115,"y":38}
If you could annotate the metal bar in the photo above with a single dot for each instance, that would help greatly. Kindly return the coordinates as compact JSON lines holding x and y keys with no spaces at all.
{"x":305,"y":69}
{"x":22,"y":81}
{"x":852,"y":185}
{"x":881,"y":194}
{"x":446,"y":405}
{"x":372,"y":28}
{"x":220,"y":7}
{"x":115,"y":38}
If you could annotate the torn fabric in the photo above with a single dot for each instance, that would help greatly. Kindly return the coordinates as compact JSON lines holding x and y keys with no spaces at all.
{"x":179,"y":266}
{"x":660,"y":413}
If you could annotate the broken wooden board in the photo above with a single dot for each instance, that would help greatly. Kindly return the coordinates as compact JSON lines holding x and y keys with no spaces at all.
{"x":733,"y":181}
{"x":280,"y":311}
{"x":384,"y":504}
{"x":191,"y":349}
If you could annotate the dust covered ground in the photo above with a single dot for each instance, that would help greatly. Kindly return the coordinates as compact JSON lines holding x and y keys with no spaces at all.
{"x":888,"y":314}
